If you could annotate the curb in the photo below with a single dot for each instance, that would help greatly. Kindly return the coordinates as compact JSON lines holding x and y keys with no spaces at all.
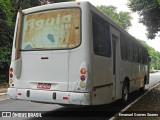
{"x":1,"y":94}
{"x":115,"y":116}
{"x":3,"y":91}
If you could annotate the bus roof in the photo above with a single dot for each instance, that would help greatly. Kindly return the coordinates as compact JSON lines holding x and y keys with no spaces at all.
{"x":54,"y":6}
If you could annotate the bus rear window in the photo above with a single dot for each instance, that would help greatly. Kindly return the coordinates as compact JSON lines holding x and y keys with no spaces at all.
{"x":55,"y":29}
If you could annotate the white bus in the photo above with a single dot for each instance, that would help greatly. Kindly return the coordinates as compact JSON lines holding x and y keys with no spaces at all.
{"x":71,"y":53}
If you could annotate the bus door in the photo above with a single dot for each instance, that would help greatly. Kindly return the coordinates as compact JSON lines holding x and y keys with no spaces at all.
{"x":115,"y":59}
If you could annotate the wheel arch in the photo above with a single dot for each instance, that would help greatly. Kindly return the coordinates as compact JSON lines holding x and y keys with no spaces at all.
{"x":126,"y":81}
{"x":145,"y":79}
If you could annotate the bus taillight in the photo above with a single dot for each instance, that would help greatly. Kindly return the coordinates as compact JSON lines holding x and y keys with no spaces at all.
{"x":11,"y":70}
{"x":65,"y":98}
{"x":83,"y":71}
{"x":83,"y":77}
{"x":11,"y":75}
{"x":19,"y":94}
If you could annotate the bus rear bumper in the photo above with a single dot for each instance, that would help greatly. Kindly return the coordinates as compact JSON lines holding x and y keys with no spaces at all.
{"x":46,"y":96}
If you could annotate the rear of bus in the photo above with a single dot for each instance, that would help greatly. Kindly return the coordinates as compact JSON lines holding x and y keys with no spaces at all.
{"x":50,"y":55}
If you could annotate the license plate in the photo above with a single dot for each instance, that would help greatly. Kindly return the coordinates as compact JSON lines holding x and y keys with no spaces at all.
{"x":44,"y":85}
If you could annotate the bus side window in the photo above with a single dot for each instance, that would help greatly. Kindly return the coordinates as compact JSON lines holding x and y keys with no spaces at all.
{"x":95,"y":36}
{"x":107,"y":42}
{"x":123,"y":48}
{"x":101,"y":37}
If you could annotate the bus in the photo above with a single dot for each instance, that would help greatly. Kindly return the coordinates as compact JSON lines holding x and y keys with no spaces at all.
{"x":71,"y":53}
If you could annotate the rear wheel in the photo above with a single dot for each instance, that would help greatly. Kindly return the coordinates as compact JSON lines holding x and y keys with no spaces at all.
{"x":125,"y":92}
{"x":142,"y":89}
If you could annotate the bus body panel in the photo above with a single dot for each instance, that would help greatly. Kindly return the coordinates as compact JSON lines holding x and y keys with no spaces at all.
{"x":102,"y":80}
{"x":129,"y":69}
{"x":81,"y":57}
{"x":40,"y":67}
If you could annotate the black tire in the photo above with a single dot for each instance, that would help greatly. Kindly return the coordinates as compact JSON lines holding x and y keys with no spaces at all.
{"x":125,"y":93}
{"x":142,"y":89}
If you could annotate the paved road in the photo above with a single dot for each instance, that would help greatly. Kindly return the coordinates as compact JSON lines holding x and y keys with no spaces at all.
{"x":51,"y":109}
{"x":154,"y":79}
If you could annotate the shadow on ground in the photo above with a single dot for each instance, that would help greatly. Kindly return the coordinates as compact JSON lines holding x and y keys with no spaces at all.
{"x":99,"y":112}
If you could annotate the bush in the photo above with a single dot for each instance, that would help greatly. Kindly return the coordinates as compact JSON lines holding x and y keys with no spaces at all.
{"x":151,"y":71}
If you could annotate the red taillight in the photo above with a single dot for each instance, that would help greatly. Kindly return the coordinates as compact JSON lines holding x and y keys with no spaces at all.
{"x":19,"y":93}
{"x":11,"y":70}
{"x":83,"y":72}
{"x":11,"y":75}
{"x":65,"y":98}
{"x":83,"y":77}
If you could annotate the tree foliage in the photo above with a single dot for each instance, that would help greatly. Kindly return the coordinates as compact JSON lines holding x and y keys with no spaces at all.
{"x":155,"y":56}
{"x":24,"y":4}
{"x":123,"y":19}
{"x":6,"y":33}
{"x":149,"y":11}
{"x":5,"y":11}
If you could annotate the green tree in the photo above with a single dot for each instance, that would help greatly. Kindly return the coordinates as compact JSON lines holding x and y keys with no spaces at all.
{"x":6,"y":33}
{"x":123,"y":19}
{"x":149,"y":14}
{"x":5,"y":9}
{"x":153,"y":54}
{"x":24,"y":4}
